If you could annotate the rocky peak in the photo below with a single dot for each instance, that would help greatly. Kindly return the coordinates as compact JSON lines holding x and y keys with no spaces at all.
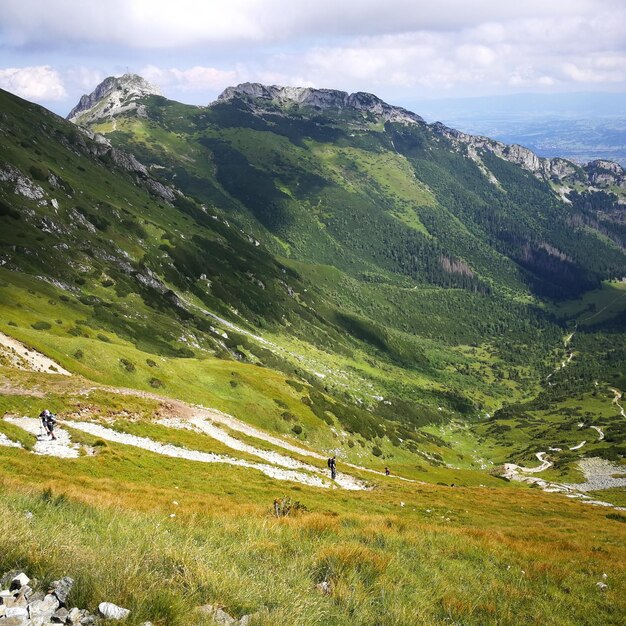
{"x":606,"y":173}
{"x":114,"y":95}
{"x":321,"y":100}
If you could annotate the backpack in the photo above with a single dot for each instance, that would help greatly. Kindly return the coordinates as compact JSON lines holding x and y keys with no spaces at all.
{"x":329,"y":462}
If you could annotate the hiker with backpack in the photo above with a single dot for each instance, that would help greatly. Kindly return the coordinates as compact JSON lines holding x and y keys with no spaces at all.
{"x":332,"y":464}
{"x":48,"y":421}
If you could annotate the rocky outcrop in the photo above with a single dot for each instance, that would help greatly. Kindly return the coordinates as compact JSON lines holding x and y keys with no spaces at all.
{"x":21,"y":604}
{"x":114,"y":95}
{"x":606,"y":174}
{"x":23,"y":186}
{"x":543,"y":168}
{"x":321,"y":100}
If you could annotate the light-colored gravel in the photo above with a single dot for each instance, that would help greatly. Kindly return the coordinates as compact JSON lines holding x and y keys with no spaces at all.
{"x":8,"y":443}
{"x":204,"y":426}
{"x":28,"y":359}
{"x":194,"y":455}
{"x":599,"y":474}
{"x":62,"y":447}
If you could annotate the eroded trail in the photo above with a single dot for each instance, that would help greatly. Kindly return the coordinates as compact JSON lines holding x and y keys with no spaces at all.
{"x":189,"y":412}
{"x":616,"y":401}
{"x":24,"y":358}
{"x":61,"y":447}
{"x":204,"y":426}
{"x":173,"y":451}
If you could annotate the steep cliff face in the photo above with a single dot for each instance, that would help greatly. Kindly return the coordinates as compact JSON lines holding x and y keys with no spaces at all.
{"x":606,"y":174}
{"x":543,"y":168}
{"x":322,"y":99}
{"x":111,"y":97}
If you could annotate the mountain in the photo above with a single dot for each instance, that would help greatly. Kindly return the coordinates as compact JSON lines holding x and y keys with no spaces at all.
{"x":111,"y":97}
{"x":215,"y":300}
{"x":577,"y":126}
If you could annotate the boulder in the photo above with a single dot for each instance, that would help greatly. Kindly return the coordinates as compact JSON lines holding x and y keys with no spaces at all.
{"x":16,"y":611}
{"x":19,"y":581}
{"x":60,"y":616}
{"x":15,"y":621}
{"x":43,"y":610}
{"x":219,"y":616}
{"x":61,"y":589}
{"x":74,"y":616}
{"x":108,"y":610}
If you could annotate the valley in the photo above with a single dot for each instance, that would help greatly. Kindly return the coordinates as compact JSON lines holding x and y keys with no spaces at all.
{"x":214,"y":300}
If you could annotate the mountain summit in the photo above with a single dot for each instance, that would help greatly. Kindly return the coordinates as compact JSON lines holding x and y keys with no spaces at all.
{"x":114,"y":95}
{"x":322,"y":100}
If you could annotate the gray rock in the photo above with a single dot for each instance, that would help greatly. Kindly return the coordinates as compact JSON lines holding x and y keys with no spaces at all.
{"x":108,"y":610}
{"x":602,"y":586}
{"x":15,"y":621}
{"x":219,"y":616}
{"x":16,"y":611}
{"x":43,"y":610}
{"x":61,"y":588}
{"x":19,"y":581}
{"x":6,"y":579}
{"x":325,"y":587}
{"x":60,"y":615}
{"x":74,"y":616}
{"x":24,"y":594}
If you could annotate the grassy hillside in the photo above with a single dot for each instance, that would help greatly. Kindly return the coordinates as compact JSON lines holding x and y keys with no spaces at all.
{"x":309,"y":286}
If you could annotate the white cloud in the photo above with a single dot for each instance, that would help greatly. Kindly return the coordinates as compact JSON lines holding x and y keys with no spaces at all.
{"x":33,"y":83}
{"x":166,"y":24}
{"x":194,"y":49}
{"x":197,"y":78}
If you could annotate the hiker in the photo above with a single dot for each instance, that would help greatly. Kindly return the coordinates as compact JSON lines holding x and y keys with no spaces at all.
{"x":332,"y":463}
{"x":387,"y":472}
{"x":48,"y":421}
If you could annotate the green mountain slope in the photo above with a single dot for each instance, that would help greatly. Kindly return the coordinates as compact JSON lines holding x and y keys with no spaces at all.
{"x":267,"y":283}
{"x":353,"y":248}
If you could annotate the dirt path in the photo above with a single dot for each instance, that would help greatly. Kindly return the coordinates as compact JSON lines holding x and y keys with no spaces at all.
{"x":199,"y":424}
{"x":25,"y":358}
{"x":8,"y":443}
{"x":190,"y":411}
{"x":599,"y":431}
{"x":62,"y":447}
{"x":194,"y":455}
{"x":616,"y":401}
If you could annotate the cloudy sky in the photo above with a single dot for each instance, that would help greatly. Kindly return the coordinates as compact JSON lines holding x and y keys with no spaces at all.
{"x":52,"y":51}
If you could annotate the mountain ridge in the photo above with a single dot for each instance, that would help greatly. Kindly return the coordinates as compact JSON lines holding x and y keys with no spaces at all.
{"x":116,"y":96}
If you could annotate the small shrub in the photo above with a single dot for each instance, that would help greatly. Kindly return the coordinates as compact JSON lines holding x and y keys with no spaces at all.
{"x":297,"y":429}
{"x":618,"y":517}
{"x":156,"y":383}
{"x":107,"y":282}
{"x":285,"y":506}
{"x":151,"y":363}
{"x":233,"y":383}
{"x":41,"y":325}
{"x":103,"y":338}
{"x":376,"y":451}
{"x":13,"y":324}
{"x":37,"y":173}
{"x":79,"y":354}
{"x":48,"y":497}
{"x":288,"y":417}
{"x":127,"y":365}
{"x":80,"y":280}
